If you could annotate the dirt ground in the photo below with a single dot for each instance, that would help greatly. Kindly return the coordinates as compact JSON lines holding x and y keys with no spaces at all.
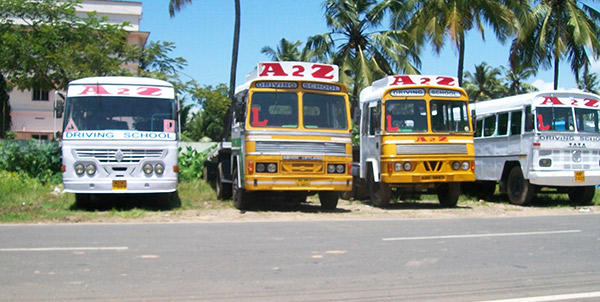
{"x":356,"y":210}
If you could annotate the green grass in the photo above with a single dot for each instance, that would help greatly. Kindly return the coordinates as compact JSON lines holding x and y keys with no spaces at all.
{"x":26,"y":199}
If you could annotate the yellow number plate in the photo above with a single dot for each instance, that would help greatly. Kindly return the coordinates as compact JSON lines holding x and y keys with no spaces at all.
{"x":302,"y":182}
{"x":579,"y":176}
{"x":433,"y":178}
{"x":119,"y":185}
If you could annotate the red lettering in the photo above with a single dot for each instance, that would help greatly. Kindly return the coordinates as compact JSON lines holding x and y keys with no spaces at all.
{"x":421,"y":139}
{"x":255,"y":121}
{"x":551,"y":100}
{"x":123,"y":91}
{"x":443,"y":138}
{"x":389,"y":124}
{"x":274,"y":68}
{"x":591,"y":103}
{"x":402,"y":80}
{"x":150,"y":91}
{"x":445,"y":81}
{"x":541,"y":125}
{"x":425,"y":81}
{"x":321,"y":71}
{"x":299,"y":71}
{"x":94,"y":90}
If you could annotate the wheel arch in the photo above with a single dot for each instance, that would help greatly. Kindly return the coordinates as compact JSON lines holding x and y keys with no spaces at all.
{"x":509,"y":165}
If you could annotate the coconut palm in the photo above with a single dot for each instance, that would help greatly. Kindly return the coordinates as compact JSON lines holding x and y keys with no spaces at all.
{"x":175,"y":6}
{"x":557,"y":30}
{"x":437,"y":20}
{"x":363,"y":52}
{"x":515,"y":77}
{"x":590,"y":82}
{"x":286,"y":51}
{"x":484,"y":83}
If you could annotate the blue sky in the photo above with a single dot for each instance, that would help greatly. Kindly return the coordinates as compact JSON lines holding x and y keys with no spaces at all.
{"x":203,"y":35}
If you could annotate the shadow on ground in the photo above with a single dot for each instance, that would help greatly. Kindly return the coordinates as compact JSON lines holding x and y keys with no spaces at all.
{"x":125,"y":202}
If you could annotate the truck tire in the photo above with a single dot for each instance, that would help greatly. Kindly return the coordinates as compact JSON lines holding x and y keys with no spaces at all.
{"x":240,"y":196}
{"x":582,"y":195}
{"x":448,"y":194}
{"x":520,"y":191}
{"x":380,"y":192}
{"x":329,"y":199}
{"x":223,"y":190}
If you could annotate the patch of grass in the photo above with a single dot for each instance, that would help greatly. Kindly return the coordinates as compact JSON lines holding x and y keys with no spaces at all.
{"x":26,"y":199}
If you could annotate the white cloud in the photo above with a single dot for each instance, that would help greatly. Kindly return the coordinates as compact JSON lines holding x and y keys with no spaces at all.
{"x":541,"y":85}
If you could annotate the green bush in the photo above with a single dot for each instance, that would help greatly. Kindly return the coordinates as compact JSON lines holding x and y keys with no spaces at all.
{"x":191,"y":163}
{"x":33,"y":158}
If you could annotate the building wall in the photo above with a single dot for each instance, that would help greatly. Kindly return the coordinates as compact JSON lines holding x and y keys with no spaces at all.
{"x":34,"y":118}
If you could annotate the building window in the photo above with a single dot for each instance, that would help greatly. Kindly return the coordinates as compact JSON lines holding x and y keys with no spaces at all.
{"x":39,"y":95}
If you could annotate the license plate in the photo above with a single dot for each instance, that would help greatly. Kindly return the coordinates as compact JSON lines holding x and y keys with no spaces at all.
{"x":579,"y":176}
{"x":302,"y":182}
{"x":119,"y":185}
{"x":433,"y":178}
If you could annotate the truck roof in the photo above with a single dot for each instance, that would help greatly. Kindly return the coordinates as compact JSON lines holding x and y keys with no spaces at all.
{"x":117,"y":80}
{"x":406,"y":81}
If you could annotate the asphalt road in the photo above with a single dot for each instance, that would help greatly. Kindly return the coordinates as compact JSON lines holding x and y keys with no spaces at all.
{"x":544,"y":258}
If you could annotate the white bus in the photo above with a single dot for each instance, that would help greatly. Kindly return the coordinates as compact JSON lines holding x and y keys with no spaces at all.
{"x":120,"y":135}
{"x":542,"y":141}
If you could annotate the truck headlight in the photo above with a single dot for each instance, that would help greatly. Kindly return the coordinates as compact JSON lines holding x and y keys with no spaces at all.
{"x":147,"y":168}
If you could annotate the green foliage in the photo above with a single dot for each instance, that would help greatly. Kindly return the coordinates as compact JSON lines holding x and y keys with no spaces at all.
{"x":36,"y":160}
{"x":208,"y":122}
{"x":44,"y":44}
{"x":191,"y":163}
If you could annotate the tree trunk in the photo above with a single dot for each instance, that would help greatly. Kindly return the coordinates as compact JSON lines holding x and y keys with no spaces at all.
{"x":4,"y":107}
{"x":232,"y":74}
{"x":461,"y":59}
{"x":556,"y":62}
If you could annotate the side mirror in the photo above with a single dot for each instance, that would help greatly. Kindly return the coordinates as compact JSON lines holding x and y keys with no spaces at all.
{"x":529,"y":122}
{"x":59,"y":104}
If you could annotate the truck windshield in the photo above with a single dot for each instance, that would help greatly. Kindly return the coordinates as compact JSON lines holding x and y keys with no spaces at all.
{"x":120,"y":113}
{"x":274,"y":109}
{"x":587,"y":120}
{"x":405,"y":116}
{"x":324,"y":111}
{"x":555,"y":119}
{"x":449,"y":116}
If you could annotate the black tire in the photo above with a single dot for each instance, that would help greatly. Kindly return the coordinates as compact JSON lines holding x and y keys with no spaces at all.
{"x":380,"y":192}
{"x":520,"y":191}
{"x":240,"y":196}
{"x":329,"y":199}
{"x":223,"y":190}
{"x":448,"y":194}
{"x":582,"y":195}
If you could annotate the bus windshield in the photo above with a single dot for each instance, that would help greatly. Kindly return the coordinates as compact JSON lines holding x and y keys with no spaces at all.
{"x":120,"y":113}
{"x":280,"y":109}
{"x":405,"y":116}
{"x":561,"y":119}
{"x":324,"y":111}
{"x":449,"y":116}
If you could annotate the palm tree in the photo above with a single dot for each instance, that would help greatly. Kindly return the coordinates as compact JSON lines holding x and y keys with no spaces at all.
{"x":176,"y":5}
{"x":590,"y":82}
{"x":484,"y":84}
{"x":515,"y":77}
{"x":286,"y":51}
{"x":436,"y":20}
{"x":362,"y":53}
{"x":557,"y":30}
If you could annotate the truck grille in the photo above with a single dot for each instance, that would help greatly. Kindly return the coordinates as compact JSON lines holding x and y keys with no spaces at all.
{"x":119,"y":155}
{"x":301,"y":148}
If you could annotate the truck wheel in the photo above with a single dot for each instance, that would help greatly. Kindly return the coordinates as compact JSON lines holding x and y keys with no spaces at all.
{"x":223,"y":190}
{"x":520,"y":191}
{"x":240,"y":197}
{"x":380,"y":192}
{"x":448,"y":194}
{"x":582,"y":195}
{"x":329,"y":199}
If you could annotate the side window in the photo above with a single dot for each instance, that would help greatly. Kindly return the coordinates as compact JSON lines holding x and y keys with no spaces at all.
{"x":503,"y":123}
{"x":373,"y":120}
{"x":529,"y":119}
{"x":478,"y":128}
{"x":515,"y":122}
{"x":489,"y":126}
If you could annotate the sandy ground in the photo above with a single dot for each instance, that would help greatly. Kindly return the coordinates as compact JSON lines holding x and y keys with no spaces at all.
{"x":355,"y":210}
